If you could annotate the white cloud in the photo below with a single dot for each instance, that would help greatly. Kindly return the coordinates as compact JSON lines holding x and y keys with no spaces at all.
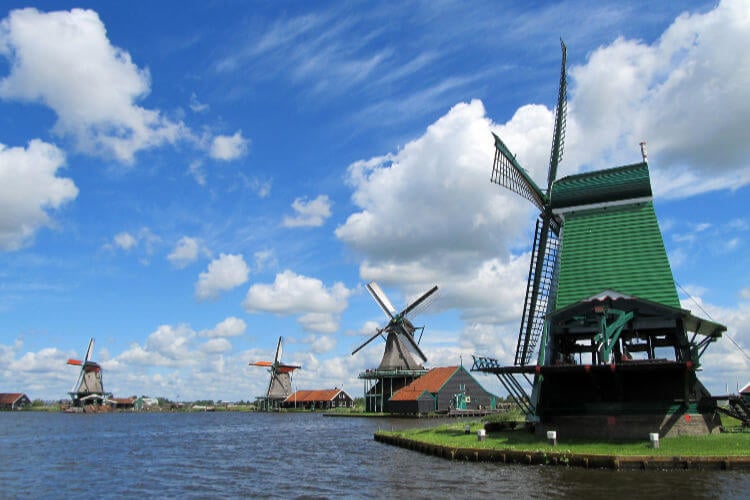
{"x":91,"y":85}
{"x":293,"y":294}
{"x":186,"y":252}
{"x":262,"y":188}
{"x":225,"y":273}
{"x":229,"y":147}
{"x":41,"y":361}
{"x":312,"y":213}
{"x":429,"y":215}
{"x":196,"y":170}
{"x":687,"y":94}
{"x":29,"y":190}
{"x":125,"y":241}
{"x":265,"y":259}
{"x":196,"y":105}
{"x":167,"y":346}
{"x":320,"y":344}
{"x":144,"y":240}
{"x":218,"y":345}
{"x":230,"y":327}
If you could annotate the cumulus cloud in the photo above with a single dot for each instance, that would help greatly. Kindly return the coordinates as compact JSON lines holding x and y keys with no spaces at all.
{"x":687,"y":95}
{"x":186,"y":251}
{"x":91,"y":85}
{"x":230,"y":327}
{"x":429,"y":215}
{"x":292,"y":294}
{"x":29,"y":190}
{"x":217,"y":345}
{"x":37,"y":371}
{"x":729,"y":356}
{"x":167,"y":346}
{"x":225,"y":273}
{"x":320,"y":343}
{"x":229,"y":147}
{"x":309,"y":213}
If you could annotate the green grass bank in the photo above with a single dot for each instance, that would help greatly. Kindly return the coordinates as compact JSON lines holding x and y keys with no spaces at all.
{"x":729,"y":450}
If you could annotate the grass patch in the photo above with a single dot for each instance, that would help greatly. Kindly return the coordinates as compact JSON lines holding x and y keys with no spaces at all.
{"x":453,"y":435}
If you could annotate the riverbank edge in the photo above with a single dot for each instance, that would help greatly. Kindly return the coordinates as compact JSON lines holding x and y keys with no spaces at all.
{"x":588,"y":461}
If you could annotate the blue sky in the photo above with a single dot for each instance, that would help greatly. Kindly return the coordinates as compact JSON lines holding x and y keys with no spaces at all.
{"x":186,"y":181}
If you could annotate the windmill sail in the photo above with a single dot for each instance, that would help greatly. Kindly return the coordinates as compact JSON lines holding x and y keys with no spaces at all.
{"x":540,"y":287}
{"x":561,"y":112}
{"x":541,"y":284}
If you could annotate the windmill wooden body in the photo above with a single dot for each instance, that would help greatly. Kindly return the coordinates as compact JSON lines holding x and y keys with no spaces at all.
{"x":280,"y":383}
{"x":604,"y":347}
{"x":403,"y":359}
{"x":88,"y":390}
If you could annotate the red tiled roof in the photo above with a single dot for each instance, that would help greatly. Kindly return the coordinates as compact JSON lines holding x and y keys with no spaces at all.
{"x":123,"y":401}
{"x":8,"y":398}
{"x":745,"y":390}
{"x":314,"y":395}
{"x":431,"y":382}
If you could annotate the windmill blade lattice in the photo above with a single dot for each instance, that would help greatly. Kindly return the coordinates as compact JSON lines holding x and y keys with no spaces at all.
{"x":541,"y":286}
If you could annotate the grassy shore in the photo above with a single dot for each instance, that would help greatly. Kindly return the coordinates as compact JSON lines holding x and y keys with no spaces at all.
{"x":453,"y":435}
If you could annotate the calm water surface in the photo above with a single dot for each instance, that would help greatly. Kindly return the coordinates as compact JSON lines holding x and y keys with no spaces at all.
{"x":286,"y":455}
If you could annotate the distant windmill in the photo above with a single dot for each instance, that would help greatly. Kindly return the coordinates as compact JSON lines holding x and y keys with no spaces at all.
{"x":280,"y":385}
{"x":88,"y":388}
{"x":398,"y":367}
{"x":399,"y":340}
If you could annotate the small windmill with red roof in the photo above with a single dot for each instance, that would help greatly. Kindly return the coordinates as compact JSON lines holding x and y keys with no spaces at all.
{"x":280,"y":385}
{"x":88,"y":388}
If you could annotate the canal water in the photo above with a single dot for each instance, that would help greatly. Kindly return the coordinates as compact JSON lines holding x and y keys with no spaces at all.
{"x":294,"y":455}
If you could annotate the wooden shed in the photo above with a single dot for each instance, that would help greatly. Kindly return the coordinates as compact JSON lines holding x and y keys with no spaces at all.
{"x":14,"y":401}
{"x":440,"y":390}
{"x":321,"y":399}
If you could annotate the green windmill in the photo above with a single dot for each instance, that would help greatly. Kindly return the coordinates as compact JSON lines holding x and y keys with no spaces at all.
{"x":604,"y":347}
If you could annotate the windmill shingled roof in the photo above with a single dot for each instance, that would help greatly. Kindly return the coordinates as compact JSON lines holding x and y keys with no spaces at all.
{"x":304,"y":396}
{"x":613,"y":184}
{"x":431,"y":382}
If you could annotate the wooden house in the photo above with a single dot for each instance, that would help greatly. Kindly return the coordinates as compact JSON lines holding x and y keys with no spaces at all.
{"x":441,"y":390}
{"x":323,"y":399}
{"x":14,"y":401}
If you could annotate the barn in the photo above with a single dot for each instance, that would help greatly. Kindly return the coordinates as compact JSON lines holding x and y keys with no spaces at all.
{"x":14,"y":401}
{"x":440,"y":390}
{"x":321,"y":399}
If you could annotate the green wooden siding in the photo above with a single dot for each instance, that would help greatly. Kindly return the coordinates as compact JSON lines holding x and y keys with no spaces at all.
{"x":617,"y":248}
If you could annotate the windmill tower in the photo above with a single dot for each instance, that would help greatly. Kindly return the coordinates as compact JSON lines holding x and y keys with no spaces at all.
{"x":602,"y":334}
{"x":280,"y":384}
{"x":88,"y":388}
{"x":403,"y":360}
